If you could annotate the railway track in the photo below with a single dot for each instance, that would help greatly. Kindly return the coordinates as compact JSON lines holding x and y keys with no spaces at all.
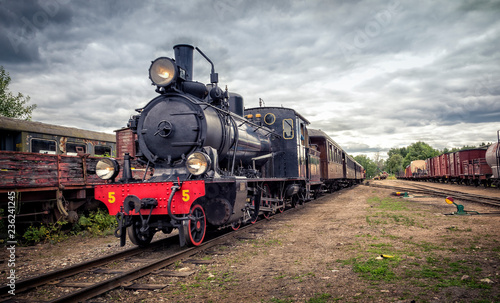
{"x":150,"y":261}
{"x":430,"y":190}
{"x":31,"y":283}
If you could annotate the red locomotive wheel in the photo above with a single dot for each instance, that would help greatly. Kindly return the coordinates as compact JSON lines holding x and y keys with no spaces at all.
{"x":196,"y":228}
{"x":235,"y":225}
{"x":282,"y":207}
{"x":253,"y":213}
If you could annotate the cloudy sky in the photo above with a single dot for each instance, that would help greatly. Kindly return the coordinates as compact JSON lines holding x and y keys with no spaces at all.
{"x":372,"y":74}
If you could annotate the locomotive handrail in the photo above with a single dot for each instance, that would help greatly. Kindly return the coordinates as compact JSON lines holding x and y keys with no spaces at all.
{"x":235,"y":116}
{"x":236,"y":141}
{"x":267,"y":156}
{"x":260,"y":126}
{"x":271,"y":155}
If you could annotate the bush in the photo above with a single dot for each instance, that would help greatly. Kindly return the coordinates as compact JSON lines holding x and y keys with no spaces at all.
{"x":46,"y":232}
{"x":96,"y":223}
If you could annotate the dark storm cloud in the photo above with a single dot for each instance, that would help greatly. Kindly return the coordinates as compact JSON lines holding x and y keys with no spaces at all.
{"x":23,"y":24}
{"x":371,"y":74}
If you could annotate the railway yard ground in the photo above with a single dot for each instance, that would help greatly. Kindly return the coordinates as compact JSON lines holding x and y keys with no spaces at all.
{"x":357,"y":245}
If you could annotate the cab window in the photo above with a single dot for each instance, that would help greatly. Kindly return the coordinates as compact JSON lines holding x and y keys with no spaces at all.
{"x":288,"y":129}
{"x":302,"y":135}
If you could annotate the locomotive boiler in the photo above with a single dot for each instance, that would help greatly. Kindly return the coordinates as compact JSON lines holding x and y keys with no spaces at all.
{"x":201,"y":149}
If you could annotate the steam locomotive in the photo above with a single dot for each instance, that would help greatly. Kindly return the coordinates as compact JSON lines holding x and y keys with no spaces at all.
{"x":215,"y":163}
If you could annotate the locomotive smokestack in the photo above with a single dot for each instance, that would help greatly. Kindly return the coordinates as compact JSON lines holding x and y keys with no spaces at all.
{"x":184,"y":59}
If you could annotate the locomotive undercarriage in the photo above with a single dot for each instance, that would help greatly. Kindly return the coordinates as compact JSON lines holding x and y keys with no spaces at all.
{"x":225,"y":204}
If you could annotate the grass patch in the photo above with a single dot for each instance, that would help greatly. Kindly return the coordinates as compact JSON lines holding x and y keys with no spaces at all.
{"x":321,"y":298}
{"x":388,"y":203}
{"x":377,"y":270}
{"x":381,"y":248}
{"x":425,"y":246}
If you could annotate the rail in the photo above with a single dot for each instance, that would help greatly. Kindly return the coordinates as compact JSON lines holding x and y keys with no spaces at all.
{"x":423,"y":189}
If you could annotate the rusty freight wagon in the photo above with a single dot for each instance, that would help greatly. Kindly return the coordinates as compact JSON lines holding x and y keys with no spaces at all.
{"x":50,"y":169}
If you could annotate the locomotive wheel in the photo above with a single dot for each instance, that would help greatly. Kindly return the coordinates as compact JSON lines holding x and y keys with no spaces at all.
{"x":281,"y":206}
{"x":254,"y":214}
{"x":235,"y":225}
{"x":266,"y":193}
{"x":136,"y":237}
{"x":295,"y":201}
{"x":254,"y":219}
{"x":196,"y":227}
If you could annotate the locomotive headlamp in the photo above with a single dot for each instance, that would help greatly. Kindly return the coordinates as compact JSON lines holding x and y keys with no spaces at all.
{"x":163,"y":71}
{"x":198,"y":163}
{"x":107,"y":168}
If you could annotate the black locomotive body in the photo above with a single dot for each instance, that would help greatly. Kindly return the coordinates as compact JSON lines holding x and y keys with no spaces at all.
{"x":215,"y":164}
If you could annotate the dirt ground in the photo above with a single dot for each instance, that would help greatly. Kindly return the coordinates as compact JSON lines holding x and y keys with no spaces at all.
{"x":357,"y":245}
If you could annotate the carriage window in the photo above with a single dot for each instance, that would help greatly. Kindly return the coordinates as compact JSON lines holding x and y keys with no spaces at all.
{"x":101,"y":150}
{"x":43,"y":146}
{"x":73,"y":149}
{"x":330,"y":152}
{"x":10,"y":141}
{"x":288,"y":129}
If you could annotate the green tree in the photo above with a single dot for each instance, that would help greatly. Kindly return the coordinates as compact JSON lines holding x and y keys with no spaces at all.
{"x":419,"y":151}
{"x":368,"y":164}
{"x":379,"y":163}
{"x":394,"y":164}
{"x":13,"y":106}
{"x":401,"y":151}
